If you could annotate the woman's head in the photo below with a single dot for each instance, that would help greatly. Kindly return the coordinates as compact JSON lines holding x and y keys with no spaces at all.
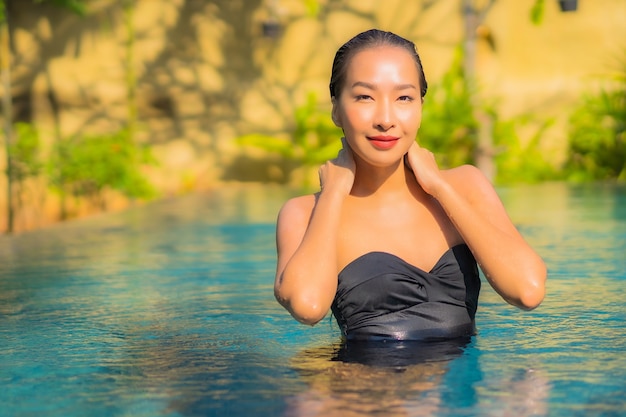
{"x":370,"y":39}
{"x":377,"y":101}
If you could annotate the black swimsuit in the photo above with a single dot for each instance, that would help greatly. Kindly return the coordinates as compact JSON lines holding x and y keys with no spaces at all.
{"x":382,"y":297}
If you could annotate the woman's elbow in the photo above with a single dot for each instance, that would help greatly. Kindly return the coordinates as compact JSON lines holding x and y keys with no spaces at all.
{"x":535,"y":290}
{"x":532,"y":298}
{"x":310,"y":316}
{"x":303,"y":308}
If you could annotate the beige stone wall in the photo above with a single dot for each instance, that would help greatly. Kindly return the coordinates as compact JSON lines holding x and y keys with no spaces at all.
{"x":206,"y":74}
{"x":543,"y":71}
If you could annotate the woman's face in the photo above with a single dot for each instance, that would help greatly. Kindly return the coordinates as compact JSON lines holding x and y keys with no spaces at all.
{"x":379,"y":107}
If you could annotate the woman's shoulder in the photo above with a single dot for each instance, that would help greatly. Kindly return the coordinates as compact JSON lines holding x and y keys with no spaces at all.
{"x":469,"y":181}
{"x":467,"y":172}
{"x":473,"y":184}
{"x":297,"y":208}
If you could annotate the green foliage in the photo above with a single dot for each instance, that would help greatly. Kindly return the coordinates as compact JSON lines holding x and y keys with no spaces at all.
{"x":449,"y":129}
{"x":537,"y":11}
{"x":519,"y":162}
{"x":76,"y":6}
{"x":597,"y":142}
{"x":312,"y":7}
{"x":313,"y":139}
{"x":24,"y":153}
{"x":85,"y":166}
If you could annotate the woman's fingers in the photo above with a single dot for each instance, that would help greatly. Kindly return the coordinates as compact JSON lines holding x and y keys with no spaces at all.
{"x":424,"y":166}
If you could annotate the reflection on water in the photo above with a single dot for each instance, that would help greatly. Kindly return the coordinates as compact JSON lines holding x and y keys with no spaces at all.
{"x":168,"y":310}
{"x":400,"y":354}
{"x":439,"y":379}
{"x":338,"y":388}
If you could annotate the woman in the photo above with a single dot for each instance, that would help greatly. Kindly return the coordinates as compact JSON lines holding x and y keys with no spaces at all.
{"x":391,"y":242}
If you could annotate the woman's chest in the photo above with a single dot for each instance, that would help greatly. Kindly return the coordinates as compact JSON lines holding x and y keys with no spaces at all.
{"x":417,"y":234}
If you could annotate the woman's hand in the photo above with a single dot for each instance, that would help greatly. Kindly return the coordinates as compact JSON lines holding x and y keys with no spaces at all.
{"x":338,"y":173}
{"x":422,"y":162}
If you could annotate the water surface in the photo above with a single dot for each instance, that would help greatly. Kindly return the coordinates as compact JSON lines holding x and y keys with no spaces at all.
{"x":167,"y":310}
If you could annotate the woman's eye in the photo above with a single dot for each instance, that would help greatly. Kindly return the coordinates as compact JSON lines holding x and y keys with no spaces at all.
{"x":405,"y":98}
{"x":360,"y":97}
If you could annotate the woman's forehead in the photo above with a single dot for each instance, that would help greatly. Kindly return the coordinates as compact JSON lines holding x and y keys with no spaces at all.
{"x":382,"y":60}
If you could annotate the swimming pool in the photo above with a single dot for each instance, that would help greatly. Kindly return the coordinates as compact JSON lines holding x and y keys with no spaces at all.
{"x":168,"y":310}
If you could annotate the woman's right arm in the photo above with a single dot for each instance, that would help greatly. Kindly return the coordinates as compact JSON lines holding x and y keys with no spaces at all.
{"x":306,"y":241}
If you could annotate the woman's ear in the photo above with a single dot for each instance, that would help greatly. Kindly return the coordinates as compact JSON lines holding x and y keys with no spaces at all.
{"x":335,"y":112}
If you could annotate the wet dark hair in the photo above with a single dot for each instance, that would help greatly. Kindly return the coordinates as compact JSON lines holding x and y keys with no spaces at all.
{"x":370,"y":39}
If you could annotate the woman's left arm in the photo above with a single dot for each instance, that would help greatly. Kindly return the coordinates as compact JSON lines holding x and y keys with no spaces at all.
{"x":510,"y":265}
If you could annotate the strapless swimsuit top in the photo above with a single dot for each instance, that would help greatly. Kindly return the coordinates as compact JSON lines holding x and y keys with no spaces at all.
{"x":382,"y":297}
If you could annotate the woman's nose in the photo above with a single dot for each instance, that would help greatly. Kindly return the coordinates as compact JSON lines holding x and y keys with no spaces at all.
{"x":384,"y":115}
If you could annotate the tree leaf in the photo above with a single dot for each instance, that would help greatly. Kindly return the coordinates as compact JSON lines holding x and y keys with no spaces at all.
{"x":537,"y":11}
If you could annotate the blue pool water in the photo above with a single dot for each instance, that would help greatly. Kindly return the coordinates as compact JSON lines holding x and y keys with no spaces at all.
{"x":168,"y":310}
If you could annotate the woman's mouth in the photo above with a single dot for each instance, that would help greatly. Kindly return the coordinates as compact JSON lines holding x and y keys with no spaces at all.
{"x":383,"y":142}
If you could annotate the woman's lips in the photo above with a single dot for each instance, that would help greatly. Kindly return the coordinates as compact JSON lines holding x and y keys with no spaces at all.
{"x":383,"y":142}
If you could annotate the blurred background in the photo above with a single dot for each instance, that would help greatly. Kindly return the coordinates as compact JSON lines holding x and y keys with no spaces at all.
{"x":108,"y":103}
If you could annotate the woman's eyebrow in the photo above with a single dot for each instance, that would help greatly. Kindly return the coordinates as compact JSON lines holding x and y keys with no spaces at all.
{"x":373,"y":86}
{"x":405,"y":87}
{"x":364,"y":84}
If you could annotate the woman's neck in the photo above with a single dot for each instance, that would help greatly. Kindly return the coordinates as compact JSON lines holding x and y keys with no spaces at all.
{"x":371,"y":180}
